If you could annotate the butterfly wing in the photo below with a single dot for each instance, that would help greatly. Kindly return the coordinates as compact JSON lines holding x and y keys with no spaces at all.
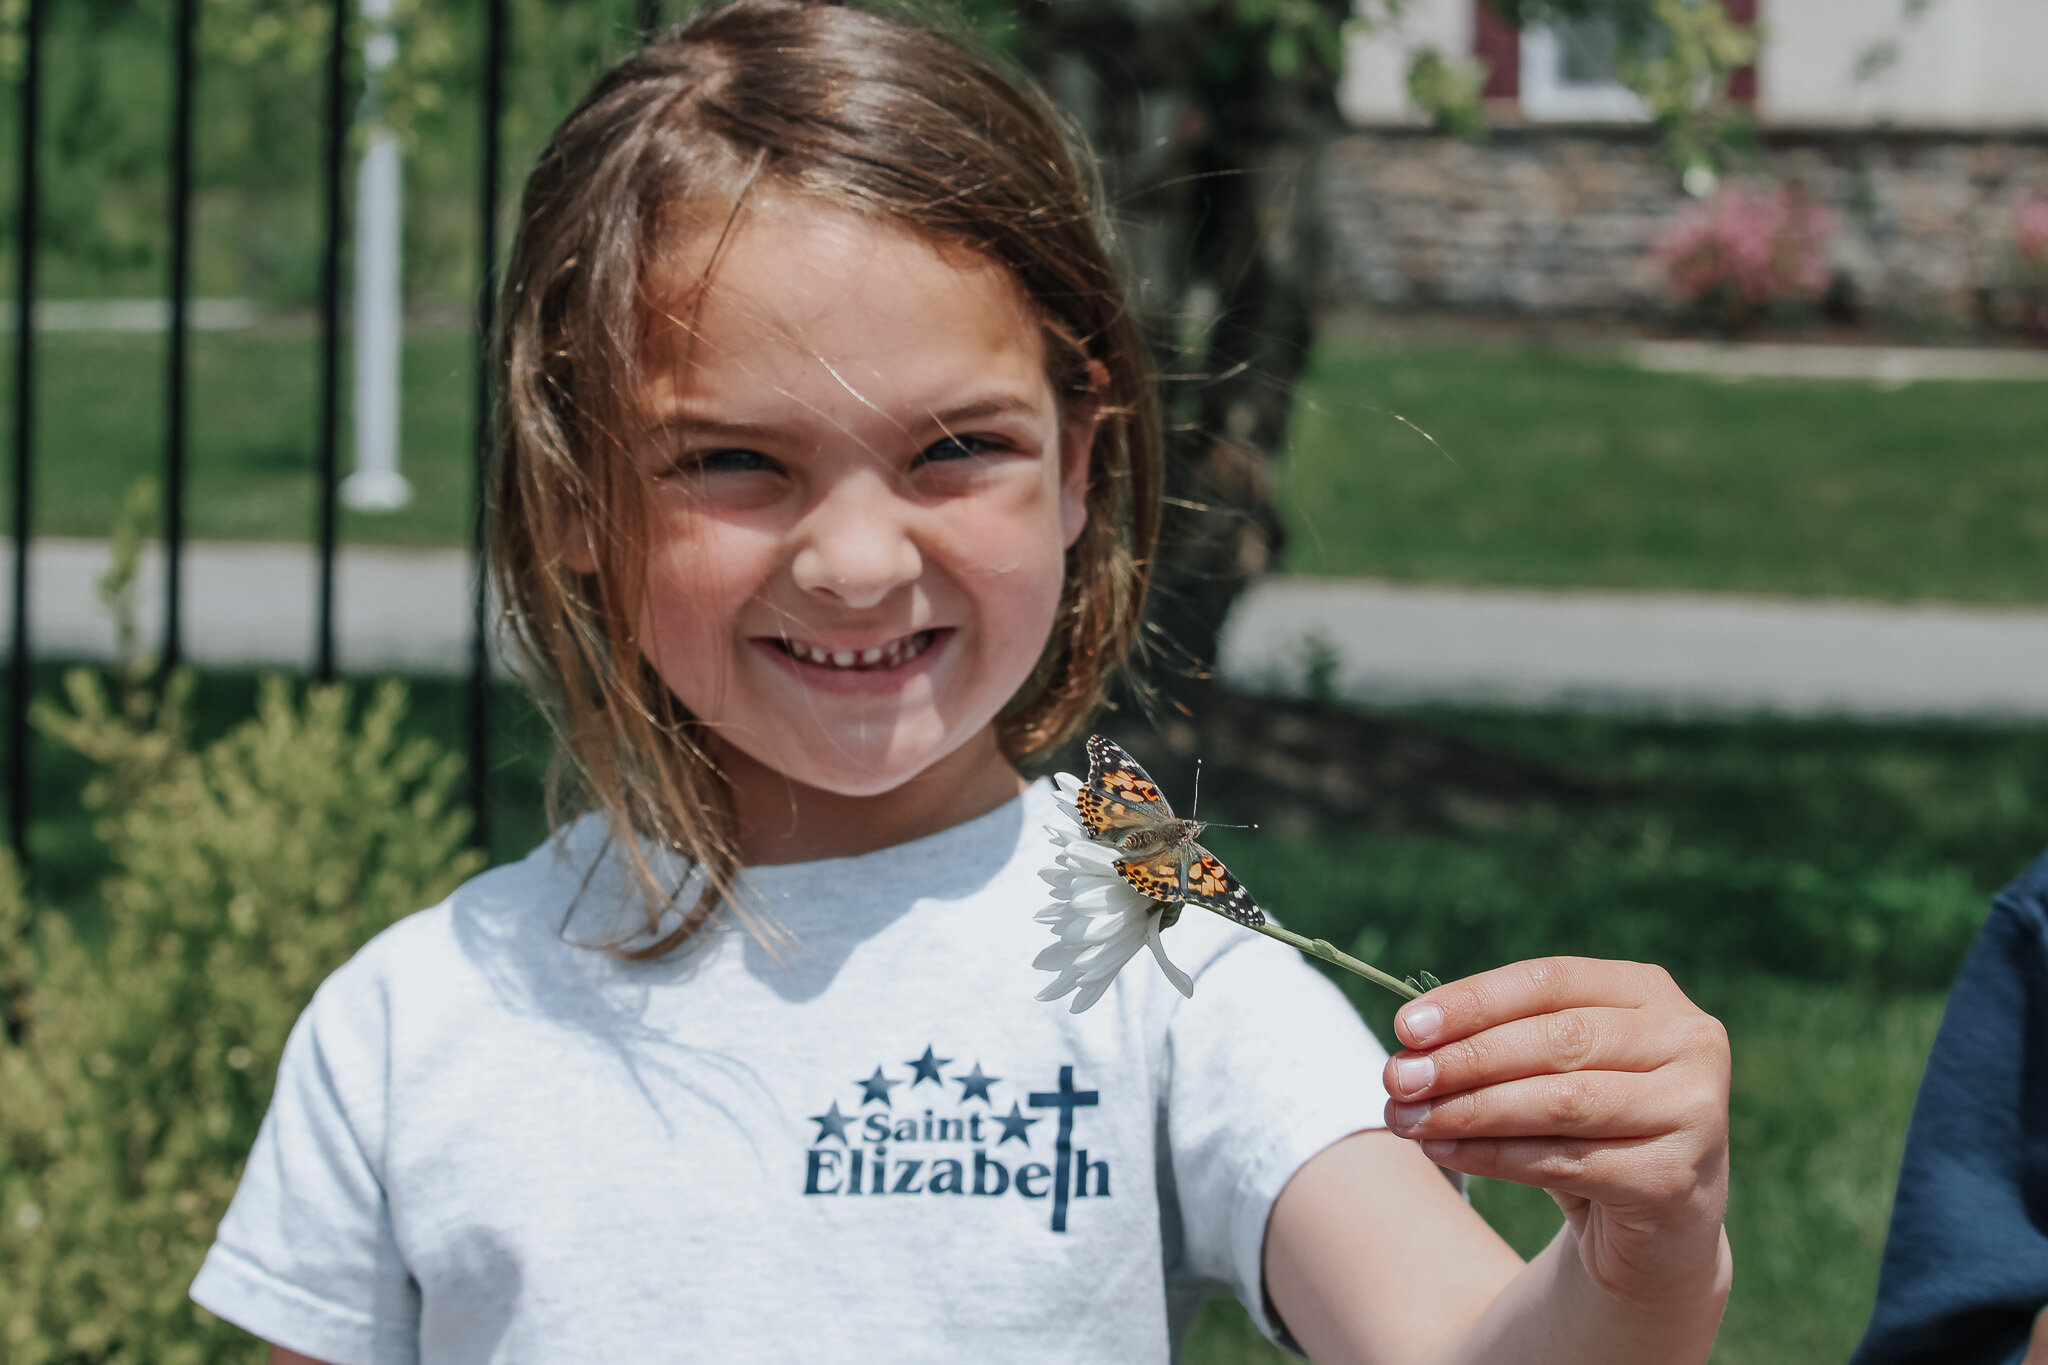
{"x":1192,"y":874}
{"x":1119,"y":796}
{"x":1158,"y":876}
{"x":1209,"y":883}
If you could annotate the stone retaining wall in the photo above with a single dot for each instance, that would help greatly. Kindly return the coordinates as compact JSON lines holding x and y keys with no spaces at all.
{"x":1545,"y":221}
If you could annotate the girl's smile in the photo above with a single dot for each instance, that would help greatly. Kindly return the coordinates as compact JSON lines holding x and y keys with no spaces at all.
{"x":863,"y":486}
{"x":856,"y":668}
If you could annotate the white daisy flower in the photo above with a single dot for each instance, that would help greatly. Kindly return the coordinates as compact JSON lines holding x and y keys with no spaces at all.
{"x":1100,"y":919}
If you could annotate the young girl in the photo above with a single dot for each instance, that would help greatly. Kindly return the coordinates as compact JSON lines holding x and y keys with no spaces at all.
{"x":830,"y":474}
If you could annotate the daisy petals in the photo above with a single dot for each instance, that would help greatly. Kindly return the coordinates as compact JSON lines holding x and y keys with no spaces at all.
{"x":1182,"y":982}
{"x":1098,"y":920}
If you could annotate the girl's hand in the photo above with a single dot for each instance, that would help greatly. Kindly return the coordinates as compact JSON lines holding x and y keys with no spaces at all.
{"x":1597,"y":1081}
{"x":2037,"y":1345}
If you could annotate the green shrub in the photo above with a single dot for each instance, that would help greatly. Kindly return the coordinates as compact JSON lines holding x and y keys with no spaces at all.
{"x":142,"y":1044}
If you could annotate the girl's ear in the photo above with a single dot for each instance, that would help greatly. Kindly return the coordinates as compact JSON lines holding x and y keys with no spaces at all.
{"x":1077,"y":453}
{"x":576,"y":548}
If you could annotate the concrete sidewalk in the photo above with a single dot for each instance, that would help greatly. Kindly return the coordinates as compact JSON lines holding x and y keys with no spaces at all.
{"x":252,"y":605}
{"x":408,"y":610}
{"x":1642,"y":651}
{"x":1888,"y":367}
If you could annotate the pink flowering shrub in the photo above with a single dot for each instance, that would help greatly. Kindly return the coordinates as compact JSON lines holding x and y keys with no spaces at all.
{"x":2030,"y":250}
{"x":1749,"y":247}
{"x":2030,"y":234}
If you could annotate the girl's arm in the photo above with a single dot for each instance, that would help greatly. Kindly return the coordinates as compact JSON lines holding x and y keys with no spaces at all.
{"x":1598,"y":1081}
{"x":280,"y":1356}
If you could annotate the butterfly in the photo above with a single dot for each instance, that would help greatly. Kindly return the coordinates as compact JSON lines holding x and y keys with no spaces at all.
{"x":1122,"y":806}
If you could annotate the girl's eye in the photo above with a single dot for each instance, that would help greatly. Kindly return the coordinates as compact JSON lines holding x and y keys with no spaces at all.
{"x":954,"y":448}
{"x":724,"y":462}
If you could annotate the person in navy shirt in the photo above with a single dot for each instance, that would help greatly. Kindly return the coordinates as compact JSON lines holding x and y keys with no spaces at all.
{"x":1965,"y":1273}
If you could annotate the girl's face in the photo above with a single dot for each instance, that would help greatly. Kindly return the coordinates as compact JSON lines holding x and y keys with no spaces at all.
{"x":863,"y":489}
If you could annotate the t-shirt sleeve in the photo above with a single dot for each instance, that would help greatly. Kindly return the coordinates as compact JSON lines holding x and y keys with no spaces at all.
{"x":1270,"y":1064}
{"x":306,"y":1257}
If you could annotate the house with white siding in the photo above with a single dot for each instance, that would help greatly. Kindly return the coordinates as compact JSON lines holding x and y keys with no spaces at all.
{"x":1922,"y":123}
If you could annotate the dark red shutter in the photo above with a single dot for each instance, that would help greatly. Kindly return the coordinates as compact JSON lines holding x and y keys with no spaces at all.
{"x":1499,"y":45}
{"x":1742,"y":84}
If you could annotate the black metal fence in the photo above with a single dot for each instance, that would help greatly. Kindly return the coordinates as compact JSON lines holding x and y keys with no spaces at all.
{"x":20,"y":779}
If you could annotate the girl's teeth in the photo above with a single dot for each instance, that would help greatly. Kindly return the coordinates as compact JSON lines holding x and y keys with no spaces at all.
{"x":891,"y":654}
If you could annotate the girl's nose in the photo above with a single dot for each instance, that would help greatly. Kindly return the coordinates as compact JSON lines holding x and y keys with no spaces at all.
{"x":855,"y":546}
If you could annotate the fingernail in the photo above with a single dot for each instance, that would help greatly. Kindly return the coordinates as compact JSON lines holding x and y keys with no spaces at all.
{"x":1423,"y":1021}
{"x":1412,"y":1075}
{"x":1410,"y":1115}
{"x":1437,"y":1149}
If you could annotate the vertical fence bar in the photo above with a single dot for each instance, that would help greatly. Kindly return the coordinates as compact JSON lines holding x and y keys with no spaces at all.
{"x":647,"y":17}
{"x":181,"y":254}
{"x":486,"y":311}
{"x":330,"y":335}
{"x":20,"y":664}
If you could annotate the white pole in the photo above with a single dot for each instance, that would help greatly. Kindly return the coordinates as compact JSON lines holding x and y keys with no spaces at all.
{"x":376,"y":484}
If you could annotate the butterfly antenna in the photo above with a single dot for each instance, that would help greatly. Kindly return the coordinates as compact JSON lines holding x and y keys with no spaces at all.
{"x":1196,"y":809}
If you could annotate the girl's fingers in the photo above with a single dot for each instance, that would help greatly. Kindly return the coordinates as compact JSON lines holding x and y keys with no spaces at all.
{"x":1579,"y":1104}
{"x":1656,"y":1171}
{"x":1593,"y":1039}
{"x":1543,"y":986}
{"x":1598,"y":1081}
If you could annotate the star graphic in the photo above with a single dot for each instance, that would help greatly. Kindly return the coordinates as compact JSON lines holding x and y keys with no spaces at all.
{"x":1015,"y":1125}
{"x":876,"y":1088}
{"x":831,"y":1123}
{"x":975,"y":1084}
{"x":927,"y":1069}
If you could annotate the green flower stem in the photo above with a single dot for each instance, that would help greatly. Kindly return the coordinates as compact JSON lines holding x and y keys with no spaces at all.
{"x":1322,"y":948}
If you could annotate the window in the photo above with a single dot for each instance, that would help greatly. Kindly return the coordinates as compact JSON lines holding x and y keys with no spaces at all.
{"x":1568,"y":75}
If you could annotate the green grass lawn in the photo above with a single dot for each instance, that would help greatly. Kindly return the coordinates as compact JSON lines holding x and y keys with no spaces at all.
{"x":1814,"y":885}
{"x":1523,"y":466}
{"x":251,"y":435}
{"x":1539,"y":468}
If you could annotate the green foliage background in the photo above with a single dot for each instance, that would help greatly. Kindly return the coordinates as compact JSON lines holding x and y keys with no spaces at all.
{"x":138,"y":1060}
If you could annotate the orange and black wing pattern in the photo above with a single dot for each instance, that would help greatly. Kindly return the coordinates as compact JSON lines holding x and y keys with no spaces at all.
{"x":1209,"y":883}
{"x":1157,"y":876}
{"x":1119,"y":796}
{"x":1190,"y":874}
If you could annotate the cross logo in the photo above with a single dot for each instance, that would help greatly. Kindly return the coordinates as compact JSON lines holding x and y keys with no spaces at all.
{"x":1066,"y":1099}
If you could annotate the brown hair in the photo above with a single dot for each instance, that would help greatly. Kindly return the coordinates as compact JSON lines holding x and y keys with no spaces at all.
{"x":853,"y":108}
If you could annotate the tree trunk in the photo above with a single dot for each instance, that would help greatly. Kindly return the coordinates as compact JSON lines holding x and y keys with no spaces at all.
{"x":1211,"y":162}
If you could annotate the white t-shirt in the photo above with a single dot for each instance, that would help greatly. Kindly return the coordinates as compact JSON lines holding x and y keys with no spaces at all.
{"x":489,"y":1143}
